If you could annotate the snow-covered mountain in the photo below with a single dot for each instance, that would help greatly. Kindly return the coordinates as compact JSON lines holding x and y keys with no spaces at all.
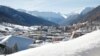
{"x":59,"y":18}
{"x":86,"y":45}
{"x":72,"y":18}
{"x":50,"y":16}
{"x":75,"y":18}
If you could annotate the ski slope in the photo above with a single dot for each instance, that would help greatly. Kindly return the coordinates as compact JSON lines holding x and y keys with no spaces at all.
{"x":87,"y":45}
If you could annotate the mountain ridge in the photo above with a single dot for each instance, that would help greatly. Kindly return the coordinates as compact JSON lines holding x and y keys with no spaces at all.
{"x":11,"y":15}
{"x":50,"y":16}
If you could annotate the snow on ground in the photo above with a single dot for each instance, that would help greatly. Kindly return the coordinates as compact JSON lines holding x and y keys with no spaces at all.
{"x":25,"y":27}
{"x":2,"y":27}
{"x":87,"y":45}
{"x":21,"y":27}
{"x":11,"y":27}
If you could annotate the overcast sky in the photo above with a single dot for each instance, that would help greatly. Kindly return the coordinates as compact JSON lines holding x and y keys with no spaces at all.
{"x":63,"y":6}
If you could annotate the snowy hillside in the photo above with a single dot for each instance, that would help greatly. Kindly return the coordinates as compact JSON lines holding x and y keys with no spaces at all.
{"x":87,"y":45}
{"x":11,"y":27}
{"x":2,"y":28}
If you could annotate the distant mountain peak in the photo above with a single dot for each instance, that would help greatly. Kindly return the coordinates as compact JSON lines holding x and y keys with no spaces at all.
{"x":50,"y":16}
{"x":88,"y":14}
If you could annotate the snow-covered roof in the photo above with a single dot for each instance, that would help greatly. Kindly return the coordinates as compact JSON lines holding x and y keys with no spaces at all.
{"x":5,"y":38}
{"x":22,"y":42}
{"x":86,"y":45}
